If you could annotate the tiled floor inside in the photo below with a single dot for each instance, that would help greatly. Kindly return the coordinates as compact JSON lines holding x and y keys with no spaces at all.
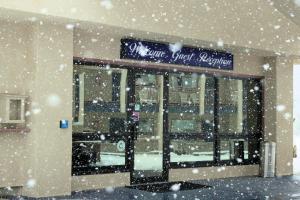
{"x":226,"y":189}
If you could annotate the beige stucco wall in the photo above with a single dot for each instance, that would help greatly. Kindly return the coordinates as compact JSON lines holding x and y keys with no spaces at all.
{"x":15,"y":73}
{"x":37,"y":60}
{"x":279,"y":111}
{"x":89,"y":182}
{"x":49,"y":147}
{"x":251,"y":24}
{"x":213,"y":172}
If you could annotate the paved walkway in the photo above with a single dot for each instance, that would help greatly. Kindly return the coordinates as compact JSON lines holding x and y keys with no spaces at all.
{"x":284,"y":188}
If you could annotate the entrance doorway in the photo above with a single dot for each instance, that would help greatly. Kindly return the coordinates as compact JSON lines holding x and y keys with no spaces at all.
{"x":147,"y":106}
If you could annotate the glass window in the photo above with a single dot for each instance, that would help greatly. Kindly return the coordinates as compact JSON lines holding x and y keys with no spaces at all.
{"x":254,"y":117}
{"x":231,"y":110}
{"x":188,"y":107}
{"x":189,"y":150}
{"x":99,"y":100}
{"x":98,"y":153}
{"x":234,"y":149}
{"x":99,"y":117}
{"x":15,"y":107}
{"x":231,"y":118}
{"x":184,"y":126}
{"x":191,"y":117}
{"x":239,"y":109}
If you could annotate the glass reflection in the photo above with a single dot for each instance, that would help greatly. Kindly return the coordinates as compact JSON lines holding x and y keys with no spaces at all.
{"x":99,"y":116}
{"x":148,"y":143}
{"x":190,"y":116}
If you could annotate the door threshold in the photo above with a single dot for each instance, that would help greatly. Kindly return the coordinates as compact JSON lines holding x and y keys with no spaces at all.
{"x":162,"y":187}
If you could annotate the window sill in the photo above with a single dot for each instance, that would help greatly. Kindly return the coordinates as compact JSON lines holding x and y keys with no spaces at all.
{"x":14,"y":130}
{"x":82,"y":171}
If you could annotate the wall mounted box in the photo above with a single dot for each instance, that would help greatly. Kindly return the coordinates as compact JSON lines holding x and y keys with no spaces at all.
{"x":12,"y":108}
{"x":63,"y":124}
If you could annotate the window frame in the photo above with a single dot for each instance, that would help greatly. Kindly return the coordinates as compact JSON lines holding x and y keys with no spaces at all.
{"x":95,"y":136}
{"x":89,"y":170}
{"x":216,"y":139}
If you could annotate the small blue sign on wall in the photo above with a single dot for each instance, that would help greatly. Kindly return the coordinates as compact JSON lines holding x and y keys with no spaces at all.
{"x":168,"y":53}
{"x":63,"y":124}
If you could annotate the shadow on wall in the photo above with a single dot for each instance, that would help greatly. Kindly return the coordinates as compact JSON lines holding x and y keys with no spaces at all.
{"x":296,"y":114}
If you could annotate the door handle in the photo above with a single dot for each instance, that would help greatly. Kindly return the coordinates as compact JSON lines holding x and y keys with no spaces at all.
{"x":135,"y":131}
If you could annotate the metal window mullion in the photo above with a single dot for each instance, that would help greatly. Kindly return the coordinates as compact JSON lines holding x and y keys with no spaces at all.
{"x":130,"y":100}
{"x":245,"y":106}
{"x":166,"y":135}
{"x":216,"y":122}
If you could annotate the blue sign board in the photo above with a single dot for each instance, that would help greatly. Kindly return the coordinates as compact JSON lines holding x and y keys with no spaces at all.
{"x":175,"y":54}
{"x":63,"y":123}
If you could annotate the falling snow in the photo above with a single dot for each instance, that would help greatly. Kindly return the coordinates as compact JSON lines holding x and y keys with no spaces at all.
{"x":77,"y":118}
{"x":266,"y":67}
{"x":175,"y":47}
{"x":280,"y":108}
{"x":31,"y":183}
{"x":53,"y":100}
{"x":107,"y":4}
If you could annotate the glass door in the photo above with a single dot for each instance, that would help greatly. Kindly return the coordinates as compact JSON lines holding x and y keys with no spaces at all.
{"x":148,"y":118}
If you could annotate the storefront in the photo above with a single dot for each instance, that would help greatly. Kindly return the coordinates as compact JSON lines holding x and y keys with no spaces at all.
{"x":129,"y":120}
{"x":148,"y":118}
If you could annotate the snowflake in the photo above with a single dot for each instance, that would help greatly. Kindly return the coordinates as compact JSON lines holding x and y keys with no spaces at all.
{"x":277,"y":27}
{"x":109,"y":189}
{"x":287,"y":116}
{"x":175,"y":187}
{"x":107,"y":4}
{"x":143,"y":50}
{"x":53,"y":100}
{"x":297,"y":2}
{"x":70,"y":26}
{"x":36,"y":110}
{"x":220,"y":43}
{"x":266,"y":67}
{"x":280,"y":108}
{"x":31,"y":183}
{"x":175,"y":47}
